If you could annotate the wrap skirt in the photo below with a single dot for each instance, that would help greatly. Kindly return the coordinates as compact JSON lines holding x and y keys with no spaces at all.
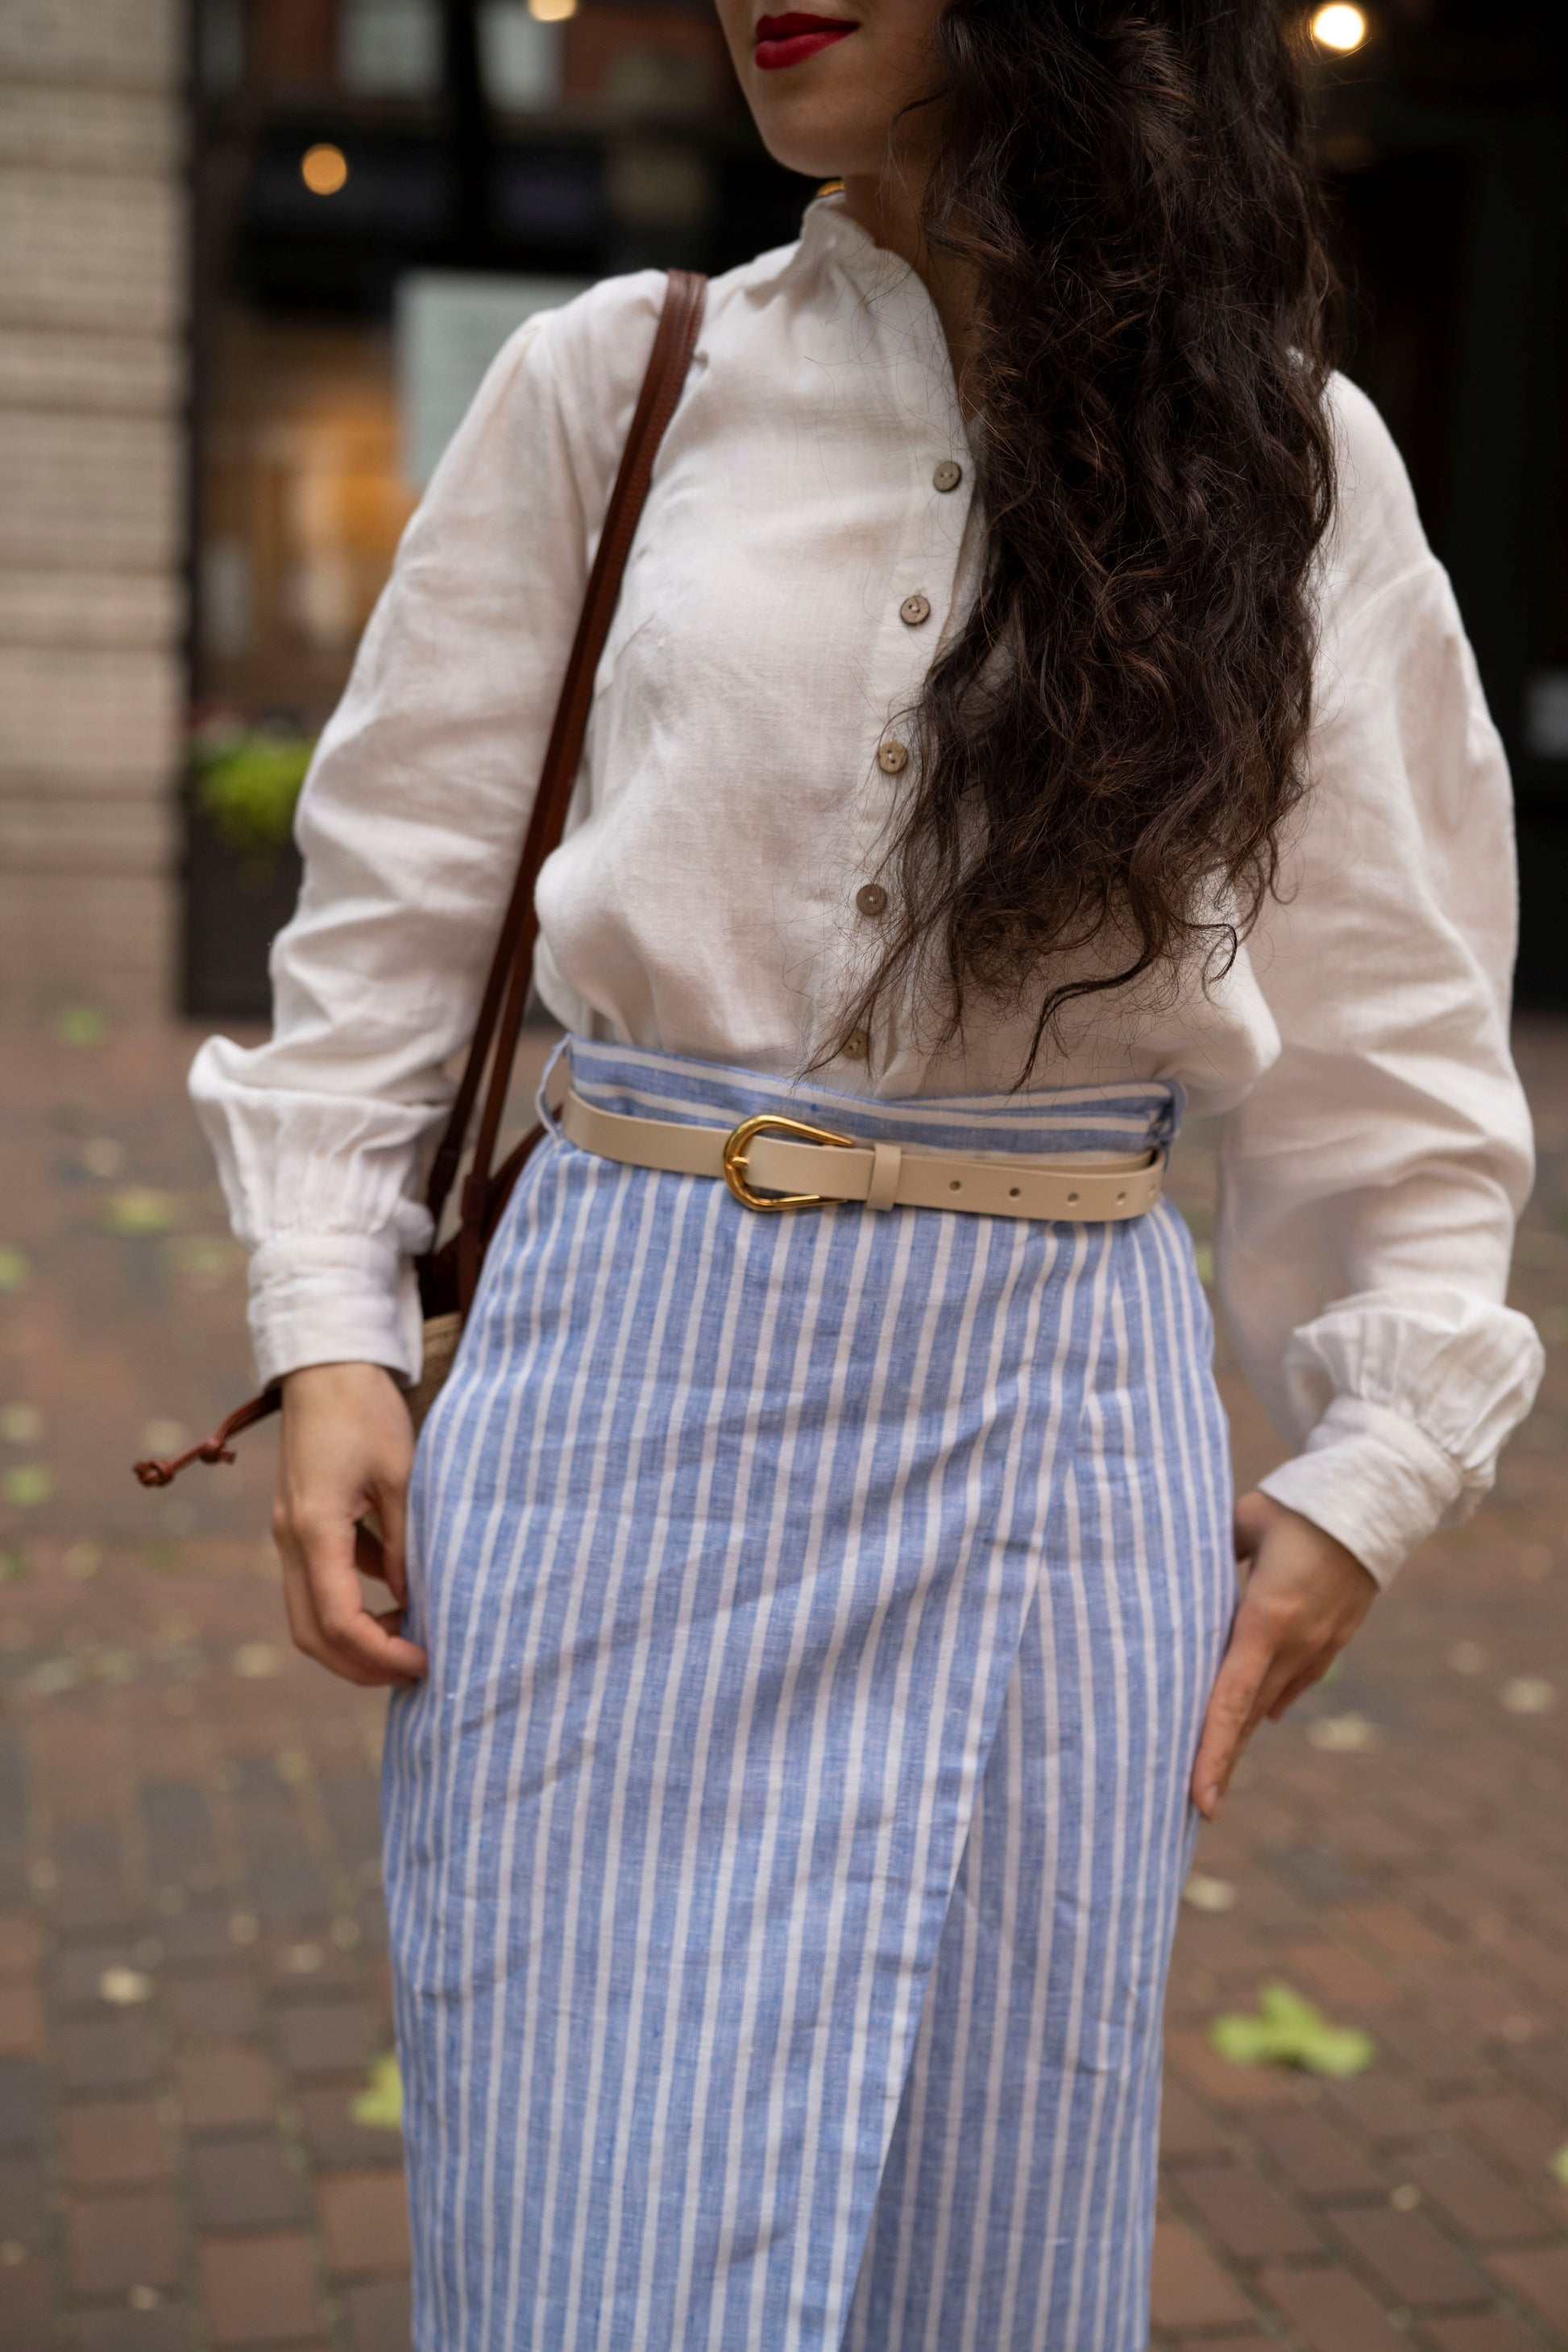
{"x":784,"y":1852}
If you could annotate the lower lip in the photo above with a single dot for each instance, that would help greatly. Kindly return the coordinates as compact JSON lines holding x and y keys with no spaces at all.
{"x":794,"y":49}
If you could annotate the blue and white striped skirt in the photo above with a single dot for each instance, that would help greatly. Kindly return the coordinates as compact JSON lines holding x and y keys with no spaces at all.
{"x":784,"y":1852}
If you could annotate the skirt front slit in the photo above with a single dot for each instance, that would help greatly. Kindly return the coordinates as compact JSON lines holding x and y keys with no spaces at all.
{"x":782,"y":1853}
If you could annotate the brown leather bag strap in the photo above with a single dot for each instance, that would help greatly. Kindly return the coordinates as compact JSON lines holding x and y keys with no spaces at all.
{"x":506,"y":989}
{"x":505,"y":995}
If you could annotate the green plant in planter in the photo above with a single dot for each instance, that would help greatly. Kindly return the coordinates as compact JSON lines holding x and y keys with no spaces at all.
{"x":248,"y":782}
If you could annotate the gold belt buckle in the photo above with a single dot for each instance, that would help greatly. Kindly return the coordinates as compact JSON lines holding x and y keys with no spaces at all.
{"x":738,"y":1144}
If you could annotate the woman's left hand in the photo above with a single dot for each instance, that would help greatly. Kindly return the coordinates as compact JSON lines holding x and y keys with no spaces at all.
{"x":1303,"y":1597}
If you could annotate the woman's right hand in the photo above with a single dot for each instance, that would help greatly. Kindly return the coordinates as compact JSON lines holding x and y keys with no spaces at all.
{"x":346,"y":1453}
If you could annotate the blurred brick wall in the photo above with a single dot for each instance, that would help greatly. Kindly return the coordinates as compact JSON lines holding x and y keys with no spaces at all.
{"x":92,"y":213}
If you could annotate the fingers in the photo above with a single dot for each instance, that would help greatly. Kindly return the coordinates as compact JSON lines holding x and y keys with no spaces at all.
{"x":342,"y":1475}
{"x":1303,"y":1597}
{"x":327,"y":1616}
{"x":305,"y":1628}
{"x":1269,"y":1673}
{"x":300,"y":1607}
{"x":352,"y":1635}
{"x":1305,"y":1681}
{"x":1228,"y":1718}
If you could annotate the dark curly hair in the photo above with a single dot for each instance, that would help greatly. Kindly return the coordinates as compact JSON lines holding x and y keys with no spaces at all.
{"x":1110,"y":747}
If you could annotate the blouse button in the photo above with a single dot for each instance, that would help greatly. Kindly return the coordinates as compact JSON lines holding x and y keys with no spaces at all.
{"x":914,"y":610}
{"x":857,"y":1045}
{"x":871,"y":899}
{"x":892,"y":759}
{"x":948,"y":475}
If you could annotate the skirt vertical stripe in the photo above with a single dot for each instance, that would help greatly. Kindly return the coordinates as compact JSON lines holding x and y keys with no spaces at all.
{"x":782,"y":1852}
{"x":1016,"y":2205}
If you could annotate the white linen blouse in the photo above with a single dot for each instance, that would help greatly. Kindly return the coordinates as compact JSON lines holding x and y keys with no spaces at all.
{"x":732,"y":803}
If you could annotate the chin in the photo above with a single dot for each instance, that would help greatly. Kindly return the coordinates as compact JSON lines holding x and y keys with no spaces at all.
{"x":809,"y":161}
{"x":808,"y":144}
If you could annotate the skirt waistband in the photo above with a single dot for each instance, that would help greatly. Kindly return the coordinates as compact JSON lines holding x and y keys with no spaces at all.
{"x":642,"y":1083}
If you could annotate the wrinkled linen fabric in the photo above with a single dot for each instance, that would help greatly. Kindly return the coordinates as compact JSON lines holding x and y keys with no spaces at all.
{"x":731,"y":804}
{"x":784,"y":1851}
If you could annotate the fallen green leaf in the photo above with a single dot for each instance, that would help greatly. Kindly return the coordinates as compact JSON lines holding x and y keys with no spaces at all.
{"x":1558,"y":2168}
{"x":1342,"y":1735}
{"x":13,"y":1268}
{"x":140,"y":1210}
{"x":380,"y":2106}
{"x":27,"y":1484}
{"x":1289,"y":2032}
{"x":80,"y":1024}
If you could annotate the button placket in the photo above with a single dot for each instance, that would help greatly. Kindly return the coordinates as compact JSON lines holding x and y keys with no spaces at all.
{"x":926,"y":530}
{"x":927,"y":540}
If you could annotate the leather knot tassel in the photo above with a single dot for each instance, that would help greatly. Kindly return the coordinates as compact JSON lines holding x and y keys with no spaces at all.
{"x":161,"y":1470}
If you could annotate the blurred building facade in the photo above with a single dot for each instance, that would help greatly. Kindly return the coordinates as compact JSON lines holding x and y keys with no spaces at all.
{"x":93,"y":535}
{"x":383,"y":190}
{"x":1445,"y":141}
{"x":258,"y":252}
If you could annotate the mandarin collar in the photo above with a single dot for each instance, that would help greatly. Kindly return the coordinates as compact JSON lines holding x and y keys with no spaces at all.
{"x":895,"y":318}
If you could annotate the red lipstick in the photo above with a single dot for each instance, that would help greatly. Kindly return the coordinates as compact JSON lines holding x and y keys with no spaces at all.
{"x":789,"y":40}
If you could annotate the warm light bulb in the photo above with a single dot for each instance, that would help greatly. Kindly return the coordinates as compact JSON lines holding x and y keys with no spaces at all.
{"x":323,"y":170}
{"x":551,"y":12}
{"x":1339,"y":27}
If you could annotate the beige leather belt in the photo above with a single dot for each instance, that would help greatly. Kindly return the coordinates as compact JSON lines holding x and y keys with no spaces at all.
{"x":775,"y":1162}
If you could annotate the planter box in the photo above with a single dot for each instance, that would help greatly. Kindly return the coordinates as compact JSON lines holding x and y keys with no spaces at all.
{"x":235,"y":906}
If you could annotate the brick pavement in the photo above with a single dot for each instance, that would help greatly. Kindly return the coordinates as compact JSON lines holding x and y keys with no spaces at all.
{"x":192,"y":1971}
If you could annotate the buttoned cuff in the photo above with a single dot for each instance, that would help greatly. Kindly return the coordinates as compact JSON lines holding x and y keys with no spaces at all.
{"x":1372,"y":1478}
{"x":334,"y":1299}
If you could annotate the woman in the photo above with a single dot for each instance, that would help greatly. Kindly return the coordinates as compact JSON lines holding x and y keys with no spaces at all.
{"x":1031,"y":704}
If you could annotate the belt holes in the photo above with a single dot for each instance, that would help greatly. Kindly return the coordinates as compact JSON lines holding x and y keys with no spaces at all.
{"x":1072,"y":1200}
{"x":1121,"y":1198}
{"x":1013,"y":1191}
{"x":955,"y":1184}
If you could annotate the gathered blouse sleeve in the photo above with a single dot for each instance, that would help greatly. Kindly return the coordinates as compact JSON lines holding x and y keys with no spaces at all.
{"x":410,"y":825}
{"x":1370,"y":1179}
